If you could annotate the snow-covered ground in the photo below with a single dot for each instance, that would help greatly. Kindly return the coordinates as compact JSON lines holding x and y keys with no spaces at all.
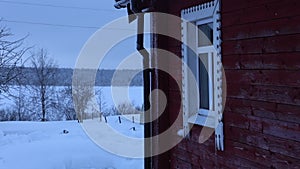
{"x":43,"y":145}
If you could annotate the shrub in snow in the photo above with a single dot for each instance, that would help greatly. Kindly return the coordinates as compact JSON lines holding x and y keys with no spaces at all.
{"x":123,"y":108}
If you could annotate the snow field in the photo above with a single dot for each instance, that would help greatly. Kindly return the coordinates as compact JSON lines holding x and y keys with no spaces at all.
{"x":43,"y":145}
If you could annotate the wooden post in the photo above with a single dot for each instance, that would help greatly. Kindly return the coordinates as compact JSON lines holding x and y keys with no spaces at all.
{"x":105,"y":119}
{"x":119,"y":119}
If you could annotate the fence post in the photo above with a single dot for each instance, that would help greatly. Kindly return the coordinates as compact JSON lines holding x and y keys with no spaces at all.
{"x":119,"y":119}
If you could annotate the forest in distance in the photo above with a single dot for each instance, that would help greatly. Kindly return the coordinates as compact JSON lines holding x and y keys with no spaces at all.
{"x":63,"y":77}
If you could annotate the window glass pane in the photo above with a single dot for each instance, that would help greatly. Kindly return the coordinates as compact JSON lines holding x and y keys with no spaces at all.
{"x":205,"y":35}
{"x":203,"y":81}
{"x":192,"y":62}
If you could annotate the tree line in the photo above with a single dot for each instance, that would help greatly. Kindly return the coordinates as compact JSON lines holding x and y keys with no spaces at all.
{"x":64,"y":76}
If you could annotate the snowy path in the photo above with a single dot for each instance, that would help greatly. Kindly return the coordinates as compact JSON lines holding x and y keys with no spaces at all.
{"x":36,"y":145}
{"x":118,"y":138}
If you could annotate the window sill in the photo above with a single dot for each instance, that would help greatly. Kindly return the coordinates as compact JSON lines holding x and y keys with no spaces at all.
{"x":207,"y":121}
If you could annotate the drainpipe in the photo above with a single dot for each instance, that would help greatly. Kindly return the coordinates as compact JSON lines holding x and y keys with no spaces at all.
{"x":136,"y":10}
{"x":147,"y":88}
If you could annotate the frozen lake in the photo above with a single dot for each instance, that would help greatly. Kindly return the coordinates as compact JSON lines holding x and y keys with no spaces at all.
{"x":134,"y":93}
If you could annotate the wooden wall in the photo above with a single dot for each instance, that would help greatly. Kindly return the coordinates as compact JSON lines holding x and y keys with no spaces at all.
{"x":261,"y":58}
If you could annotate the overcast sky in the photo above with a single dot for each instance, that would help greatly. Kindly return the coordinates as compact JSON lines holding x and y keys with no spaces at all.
{"x":63,"y":26}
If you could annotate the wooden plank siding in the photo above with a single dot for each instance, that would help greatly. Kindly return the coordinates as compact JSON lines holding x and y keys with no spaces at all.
{"x":261,"y":58}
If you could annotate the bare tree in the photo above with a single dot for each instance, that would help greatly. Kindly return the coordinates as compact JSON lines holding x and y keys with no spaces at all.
{"x":19,"y":103}
{"x":7,"y":115}
{"x":19,"y":95}
{"x":100,"y":99}
{"x":82,"y":89}
{"x":66,"y":103}
{"x":44,"y":72}
{"x":11,"y":56}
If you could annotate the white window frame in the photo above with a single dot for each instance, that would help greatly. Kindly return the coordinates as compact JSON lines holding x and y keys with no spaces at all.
{"x":212,"y":117}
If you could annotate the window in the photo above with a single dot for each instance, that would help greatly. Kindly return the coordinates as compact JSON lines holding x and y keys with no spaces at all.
{"x":202,"y":58}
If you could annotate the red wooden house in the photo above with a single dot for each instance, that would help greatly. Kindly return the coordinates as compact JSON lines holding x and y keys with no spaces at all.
{"x":258,"y":44}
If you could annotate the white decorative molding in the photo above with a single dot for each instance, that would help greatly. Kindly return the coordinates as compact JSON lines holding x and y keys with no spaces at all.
{"x":205,"y":10}
{"x":203,"y":13}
